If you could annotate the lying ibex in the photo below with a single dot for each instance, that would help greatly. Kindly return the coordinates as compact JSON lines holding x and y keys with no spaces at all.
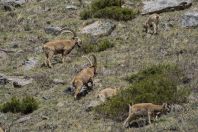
{"x":152,"y":22}
{"x":63,"y":47}
{"x":107,"y":93}
{"x":145,"y":109}
{"x":85,"y":76}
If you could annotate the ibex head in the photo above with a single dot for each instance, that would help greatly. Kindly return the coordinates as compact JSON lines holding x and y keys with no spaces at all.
{"x":77,"y":40}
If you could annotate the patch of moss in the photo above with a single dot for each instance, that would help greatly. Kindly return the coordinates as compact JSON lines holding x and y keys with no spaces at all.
{"x":25,"y":106}
{"x":157,"y":84}
{"x":109,"y":9}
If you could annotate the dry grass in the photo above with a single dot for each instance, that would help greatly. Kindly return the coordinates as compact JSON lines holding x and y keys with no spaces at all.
{"x":133,"y":51}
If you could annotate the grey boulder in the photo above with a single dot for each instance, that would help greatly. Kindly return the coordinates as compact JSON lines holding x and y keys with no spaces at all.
{"x":190,"y":19}
{"x":159,"y":6}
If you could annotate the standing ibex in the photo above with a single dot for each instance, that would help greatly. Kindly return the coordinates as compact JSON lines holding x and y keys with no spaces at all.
{"x":63,"y":47}
{"x":152,"y":21}
{"x":85,"y":76}
{"x":145,"y":109}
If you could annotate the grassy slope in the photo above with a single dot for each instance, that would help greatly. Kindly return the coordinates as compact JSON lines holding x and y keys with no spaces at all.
{"x":133,"y":52}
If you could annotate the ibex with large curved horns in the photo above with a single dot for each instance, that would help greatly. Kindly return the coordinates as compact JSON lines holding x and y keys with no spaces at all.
{"x":85,"y":76}
{"x":63,"y":47}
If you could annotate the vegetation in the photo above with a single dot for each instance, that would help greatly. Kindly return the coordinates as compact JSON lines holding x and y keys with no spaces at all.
{"x":157,"y":84}
{"x":101,"y":45}
{"x":25,"y":106}
{"x":109,"y":9}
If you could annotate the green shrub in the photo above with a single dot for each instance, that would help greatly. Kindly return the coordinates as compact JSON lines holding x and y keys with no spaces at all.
{"x":85,"y":14}
{"x":26,"y":105}
{"x":108,"y":9}
{"x":101,"y":4}
{"x":13,"y":106}
{"x":101,"y":45}
{"x":157,"y":84}
{"x":116,"y":13}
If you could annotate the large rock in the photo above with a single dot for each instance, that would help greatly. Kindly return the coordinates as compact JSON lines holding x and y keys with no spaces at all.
{"x":190,"y":19}
{"x":159,"y":6}
{"x":99,"y":28}
{"x":30,"y":64}
{"x":17,"y":81}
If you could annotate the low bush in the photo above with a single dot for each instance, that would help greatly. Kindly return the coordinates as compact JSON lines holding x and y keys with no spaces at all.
{"x":108,"y":9}
{"x":157,"y":84}
{"x":101,"y":45}
{"x":116,"y":13}
{"x":25,"y":106}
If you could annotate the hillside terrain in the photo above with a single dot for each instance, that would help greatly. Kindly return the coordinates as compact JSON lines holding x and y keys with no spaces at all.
{"x":23,"y":33}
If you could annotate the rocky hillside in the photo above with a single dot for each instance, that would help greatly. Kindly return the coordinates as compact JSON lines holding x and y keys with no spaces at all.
{"x":26,"y":25}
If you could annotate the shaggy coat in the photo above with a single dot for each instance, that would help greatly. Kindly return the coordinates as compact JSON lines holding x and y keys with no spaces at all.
{"x":152,"y":22}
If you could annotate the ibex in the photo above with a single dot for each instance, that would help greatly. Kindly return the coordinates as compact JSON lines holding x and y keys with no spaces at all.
{"x":107,"y":93}
{"x":85,"y":76}
{"x":152,"y":22}
{"x":145,"y":109}
{"x":63,"y":47}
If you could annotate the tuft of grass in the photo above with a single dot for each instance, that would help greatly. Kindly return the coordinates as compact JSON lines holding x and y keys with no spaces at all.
{"x":157,"y":84}
{"x":26,"y":105}
{"x":101,"y":45}
{"x":108,"y":9}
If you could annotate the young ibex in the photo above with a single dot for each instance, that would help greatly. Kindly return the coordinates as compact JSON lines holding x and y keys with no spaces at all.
{"x":145,"y":109}
{"x":85,"y":76}
{"x":107,"y":93}
{"x":63,"y":47}
{"x":152,"y":22}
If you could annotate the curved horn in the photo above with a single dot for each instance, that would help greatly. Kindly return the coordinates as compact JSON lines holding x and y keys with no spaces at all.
{"x":94,"y":60}
{"x":68,"y":30}
{"x":88,"y":59}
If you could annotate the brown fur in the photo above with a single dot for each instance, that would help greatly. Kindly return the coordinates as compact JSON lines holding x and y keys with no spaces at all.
{"x":85,"y":76}
{"x":145,"y":109}
{"x":1,"y":129}
{"x":107,"y":93}
{"x":63,"y":47}
{"x":152,"y":21}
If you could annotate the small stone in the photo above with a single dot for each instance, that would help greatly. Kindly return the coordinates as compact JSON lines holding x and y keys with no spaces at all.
{"x":71,"y":7}
{"x":23,"y":119}
{"x":60,"y":104}
{"x":52,"y":30}
{"x":59,"y":81}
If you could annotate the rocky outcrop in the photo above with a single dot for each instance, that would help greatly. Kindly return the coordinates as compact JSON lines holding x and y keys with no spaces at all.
{"x":190,"y":19}
{"x":17,"y":81}
{"x":159,"y":6}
